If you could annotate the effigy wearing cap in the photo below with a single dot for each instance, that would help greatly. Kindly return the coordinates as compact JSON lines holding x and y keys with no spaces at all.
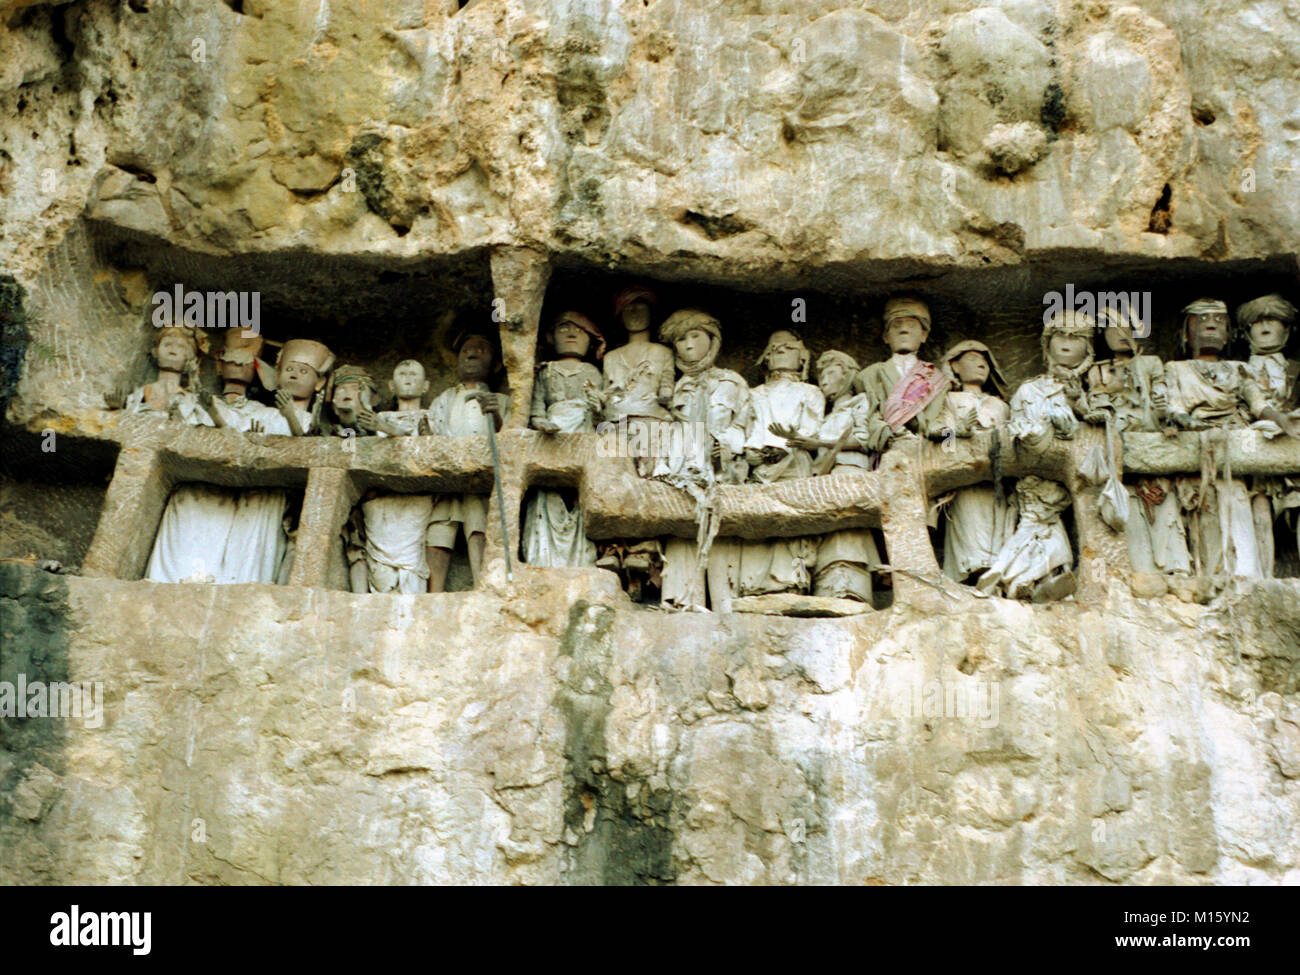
{"x":833,"y":356}
{"x":896,"y":308}
{"x":1269,"y":306}
{"x":351,"y":374}
{"x":1121,"y":316}
{"x":1069,"y":322}
{"x":1206,"y":306}
{"x":307,"y":351}
{"x":464,"y":335}
{"x":345,"y":374}
{"x":680,"y":322}
{"x":634,"y":292}
{"x":587,"y":325}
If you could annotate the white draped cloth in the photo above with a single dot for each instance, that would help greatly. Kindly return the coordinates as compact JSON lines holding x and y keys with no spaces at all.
{"x":407,"y":422}
{"x":553,"y":533}
{"x":788,"y":402}
{"x":758,"y":567}
{"x":1221,"y":525}
{"x":396,"y":530}
{"x":1039,"y":547}
{"x":977,"y":525}
{"x":845,"y":558}
{"x":1040,"y":409}
{"x":223,"y":535}
{"x":635,"y":377}
{"x":1157,"y":535}
{"x":184,"y":403}
{"x":1220,"y":521}
{"x":456,"y":413}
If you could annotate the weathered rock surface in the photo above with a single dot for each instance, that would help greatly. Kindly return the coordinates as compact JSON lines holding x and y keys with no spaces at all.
{"x":396,"y":165}
{"x":552,"y":733}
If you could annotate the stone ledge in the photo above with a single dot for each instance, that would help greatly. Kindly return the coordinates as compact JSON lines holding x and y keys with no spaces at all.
{"x":568,"y":456}
{"x":617,"y":503}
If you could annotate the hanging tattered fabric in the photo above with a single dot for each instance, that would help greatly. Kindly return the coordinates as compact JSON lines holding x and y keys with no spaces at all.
{"x":1101,"y":466}
{"x":1113,"y":503}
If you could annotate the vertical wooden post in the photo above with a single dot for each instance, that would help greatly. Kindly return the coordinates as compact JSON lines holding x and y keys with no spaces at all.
{"x":318,"y":560}
{"x":133,"y":508}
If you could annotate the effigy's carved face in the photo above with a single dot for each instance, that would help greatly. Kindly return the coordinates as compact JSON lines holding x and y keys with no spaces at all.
{"x":904,"y":336}
{"x":346,"y":401}
{"x":570,"y":340}
{"x":636,"y":317}
{"x":474,"y":360}
{"x":833,"y":380}
{"x":173,"y":352}
{"x":693,"y":346}
{"x":1268,"y":333}
{"x":299,"y":380}
{"x":784,"y":352}
{"x":1207,"y":331}
{"x":971,"y":368}
{"x":1119,"y":338}
{"x":409,"y":380}
{"x":1067,"y":350}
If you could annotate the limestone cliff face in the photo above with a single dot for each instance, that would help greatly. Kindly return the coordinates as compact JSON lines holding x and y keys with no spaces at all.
{"x":257,"y":735}
{"x":734,"y":136}
{"x":400,"y":158}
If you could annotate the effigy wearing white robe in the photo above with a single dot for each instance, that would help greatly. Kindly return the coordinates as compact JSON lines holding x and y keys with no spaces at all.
{"x":1039,"y":546}
{"x":1041,"y":410}
{"x":1133,"y":391}
{"x":1274,"y":374}
{"x":455,"y":413}
{"x":553,"y":533}
{"x":394,"y":528}
{"x":758,"y":567}
{"x":184,"y":404}
{"x":224,"y":535}
{"x":1215,"y":393}
{"x":635,"y":377}
{"x":395,"y":533}
{"x":711,"y":406}
{"x":976,"y":524}
{"x":1220,"y":522}
{"x":791,"y":403}
{"x":844,"y":559}
{"x":260,"y":509}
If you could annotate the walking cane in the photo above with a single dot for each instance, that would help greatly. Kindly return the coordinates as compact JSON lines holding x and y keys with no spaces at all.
{"x":501,"y":498}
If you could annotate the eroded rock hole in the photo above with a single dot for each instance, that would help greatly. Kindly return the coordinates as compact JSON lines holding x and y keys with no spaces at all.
{"x":1161,"y":214}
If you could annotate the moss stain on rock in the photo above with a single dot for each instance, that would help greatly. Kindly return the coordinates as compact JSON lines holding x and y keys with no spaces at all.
{"x":615,"y":840}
